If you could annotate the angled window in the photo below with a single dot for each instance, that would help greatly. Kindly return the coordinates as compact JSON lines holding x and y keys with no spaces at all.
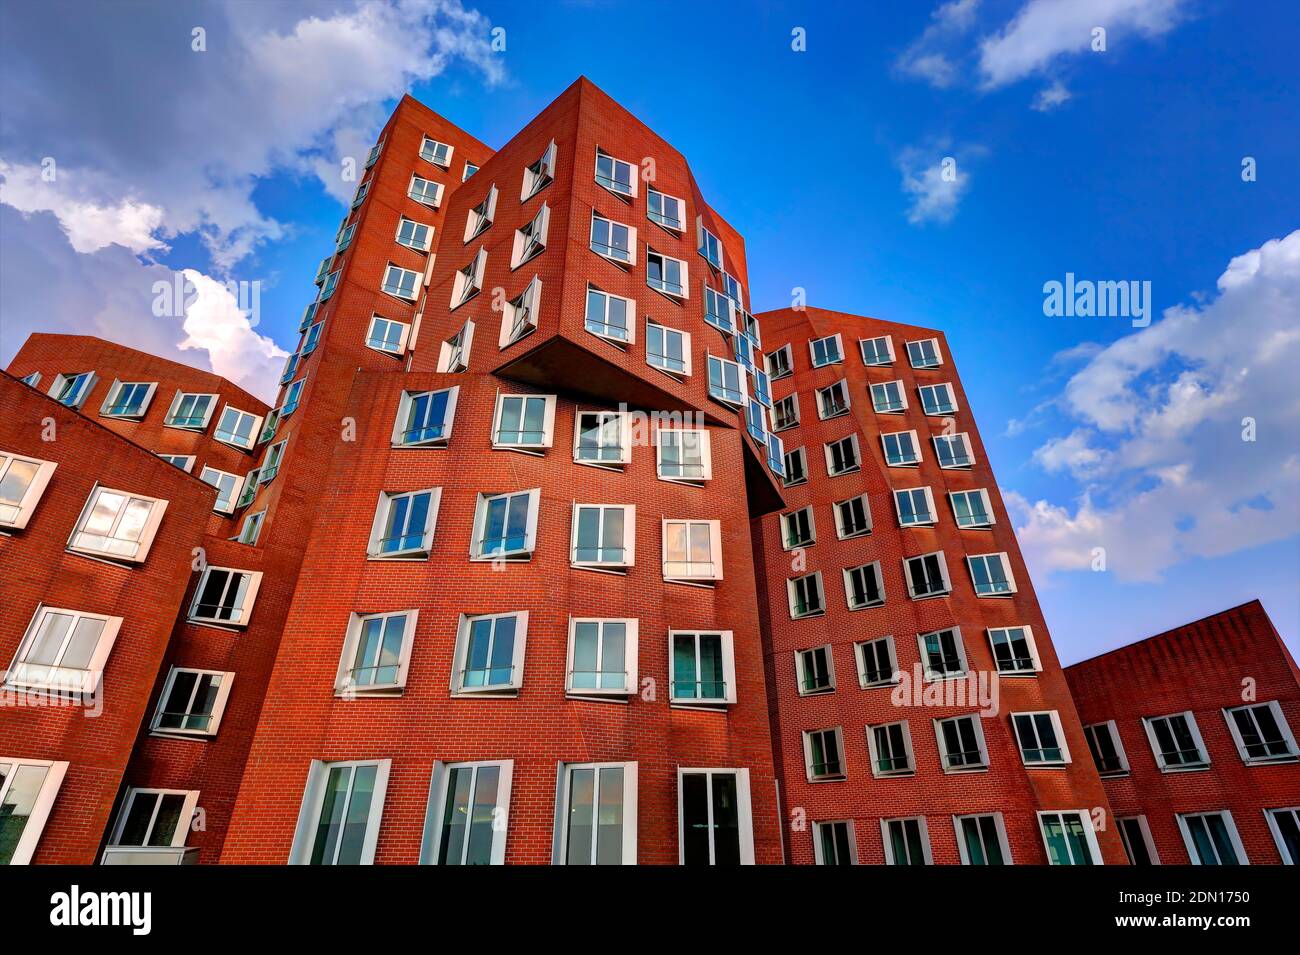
{"x":796,"y":467}
{"x":602,"y":657}
{"x":308,"y":317}
{"x":437,"y":153}
{"x":667,"y":349}
{"x":595,"y":814}
{"x":779,"y":363}
{"x":842,"y":456}
{"x":604,"y":536}
{"x":1041,"y":738}
{"x":877,"y":662}
{"x":1107,"y":748}
{"x":1069,"y":838}
{"x":863,"y":586}
{"x":33,"y":380}
{"x":252,"y":527}
{"x":344,"y":238}
{"x":376,"y":654}
{"x":524,"y":422}
{"x":961,"y":744}
{"x":924,"y":354}
{"x":991,"y":574}
{"x":834,"y":843}
{"x":833,"y":400}
{"x":815,"y":670}
{"x":63,"y":651}
{"x":481,"y":216}
{"x":1014,"y":651}
{"x":387,"y":336}
{"x":877,"y":351}
{"x":1176,"y":742}
{"x":617,"y":176}
{"x":683,"y":455}
{"x":404,"y":523}
{"x":414,"y":235}
{"x":890,"y":745}
{"x":330,"y":284}
{"x":762,"y":385}
{"x":1211,"y":838}
{"x":726,"y":381}
{"x":756,"y":421}
{"x":468,"y":171}
{"x":192,"y":702}
{"x":915,"y":507}
{"x":907,"y":841}
{"x":128,"y":399}
{"x":190,"y":411}
{"x":251,"y":482}
{"x":22,"y":482}
{"x":719,"y":310}
{"x":668,"y":211}
{"x":750,"y":328}
{"x":714,"y":817}
{"x":239,"y":428}
{"x":1261,"y":733}
{"x":1284,"y":824}
{"x":310,"y":340}
{"x":154,"y":818}
{"x":425,"y":191}
{"x":703,"y":667}
{"x":927,"y":575}
{"x":228,"y":486}
{"x":613,"y":240}
{"x":665,"y":274}
{"x":937,"y":399}
{"x":489,"y":658}
{"x":776,"y":456}
{"x":27,"y":791}
{"x":692,"y":550}
{"x":785,"y":412}
{"x":401,"y":283}
{"x":530,"y":238}
{"x":359,"y":196}
{"x":373,"y":156}
{"x":183,"y":461}
{"x":271,"y":462}
{"x":453,"y":355}
{"x":798,"y":528}
{"x":943,"y":653}
{"x":852,"y":517}
{"x":744,"y":351}
{"x":806,"y":596}
{"x":602,"y":438}
{"x":323,"y":269}
{"x":610,"y":316}
{"x":338,"y":823}
{"x":901,"y":449}
{"x":292,"y":395}
{"x":823,"y":754}
{"x":972,"y":508}
{"x":888,"y":397}
{"x":982,"y":839}
{"x":290,"y":367}
{"x":469,"y":280}
{"x":538,"y":175}
{"x":117,"y":525}
{"x":733,"y":290}
{"x":225,"y":596}
{"x":709,"y":245}
{"x":953,"y":450}
{"x":1138,"y":844}
{"x":826,"y":351}
{"x":505,"y":525}
{"x":468,"y":815}
{"x":519,"y":317}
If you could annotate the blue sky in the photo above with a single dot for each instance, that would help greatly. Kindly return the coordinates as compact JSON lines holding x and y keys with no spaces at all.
{"x":1115,"y":164}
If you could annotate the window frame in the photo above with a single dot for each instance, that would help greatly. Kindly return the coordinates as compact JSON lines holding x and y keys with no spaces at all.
{"x":927,"y":854}
{"x":245,"y":607}
{"x":744,"y":812}
{"x":873,"y":750}
{"x":531,"y":237}
{"x":518,"y":651}
{"x":1007,"y":571}
{"x":34,"y":826}
{"x":624,"y":438}
{"x":1144,"y":828}
{"x":1112,"y":730}
{"x":1000,"y":826}
{"x":607,"y":250}
{"x":313,"y":802}
{"x":629,"y":538}
{"x":148,"y":531}
{"x":631,"y":658}
{"x":423,"y":193}
{"x":467,"y":283}
{"x":841,"y":773}
{"x":395,"y":289}
{"x":662,"y":222}
{"x":436,"y":808}
{"x":890,"y":406}
{"x":475,"y":228}
{"x":1036,"y":663}
{"x":792,"y":401}
{"x":544,"y":175}
{"x":1229,"y":825}
{"x":236,"y":488}
{"x":35,"y":490}
{"x":87,"y":379}
{"x":481,"y":507}
{"x":931,"y":675}
{"x":819,"y":853}
{"x":564,"y":810}
{"x":932,"y":511}
{"x":842,"y":531}
{"x":402,"y":339}
{"x":548,"y":423}
{"x":526,"y":303}
{"x":1058,"y":729}
{"x":802,"y":677}
{"x":684,"y":293}
{"x":792,"y":585}
{"x":183,"y":822}
{"x":938,"y":353}
{"x":343,"y":686}
{"x":829,"y":455}
{"x":788,"y":542}
{"x":922,"y":390}
{"x":839,"y":350}
{"x":859,"y":655}
{"x":889,"y":347}
{"x":214,"y":717}
{"x":1279,"y":717}
{"x":988,"y":508}
{"x":629,"y":313}
{"x":943,"y":573}
{"x":607,"y":183}
{"x":965,"y":440}
{"x":92,"y":673}
{"x":383,"y":510}
{"x":114,"y":390}
{"x":232,"y":441}
{"x":445,"y":163}
{"x":847,"y":572}
{"x":1287,"y":856}
{"x":416,"y":225}
{"x":916,"y":449}
{"x":453,"y":359}
{"x":727,"y":647}
{"x":982,"y":745}
{"x":706,"y":456}
{"x":825,"y":411}
{"x":715,"y":552}
{"x":169,"y":420}
{"x":1148,"y":725}
{"x":665,"y":331}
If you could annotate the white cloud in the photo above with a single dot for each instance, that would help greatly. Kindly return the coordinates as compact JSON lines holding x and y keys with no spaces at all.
{"x":1050,"y":97}
{"x":928,"y":57}
{"x":215,"y":323}
{"x":935,"y":181}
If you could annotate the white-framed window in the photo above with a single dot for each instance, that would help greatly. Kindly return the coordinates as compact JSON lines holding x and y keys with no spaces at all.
{"x":710,"y":245}
{"x":1283,"y":823}
{"x":852,"y":517}
{"x":776,"y":456}
{"x":756,"y":421}
{"x":468,"y":171}
{"x":1138,"y":844}
{"x":359,"y":196}
{"x":373,"y":155}
{"x":1014,"y":651}
{"x":27,"y":791}
{"x":780,"y":362}
{"x":815,"y":670}
{"x":943,"y":653}
{"x":1211,"y":838}
{"x":435,"y":152}
{"x":667,"y":349}
{"x":762,"y":385}
{"x":665,"y":210}
{"x":530,"y":238}
{"x":726,"y":381}
{"x":927,"y":575}
{"x":425,"y":191}
{"x":225,"y":596}
{"x":953,"y":450}
{"x":128,"y":399}
{"x":387,"y":336}
{"x":1041,"y":738}
{"x":376,"y":654}
{"x":972,"y":509}
{"x":888,"y":397}
{"x":22,"y":482}
{"x":806,"y":596}
{"x":469,"y":280}
{"x":252,"y":528}
{"x":413,"y":235}
{"x":117,"y":525}
{"x":595,"y":814}
{"x":1261,"y":733}
{"x":823,"y":754}
{"x":609,"y":316}
{"x":924,"y":353}
{"x":615,"y":175}
{"x":183,"y":461}
{"x":991,"y":575}
{"x":323,"y":269}
{"x":692,"y":550}
{"x":63,"y":650}
{"x":703,"y":667}
{"x":238,"y":428}
{"x":834,"y":843}
{"x":481,"y":217}
{"x":453,"y":355}
{"x":796,"y":467}
{"x":310,"y":339}
{"x":602,"y":656}
{"x":901,"y":449}
{"x":468,"y":815}
{"x":1069,"y":838}
{"x":877,"y":662}
{"x":785,"y":412}
{"x":154,"y":817}
{"x":505,"y":525}
{"x":32,"y":381}
{"x":519,"y":316}
{"x":937,"y":399}
{"x":228,"y":487}
{"x":877,"y":351}
{"x":342,"y":806}
{"x":271,"y":462}
{"x":732,"y":287}
{"x":72,"y":388}
{"x":915,"y":507}
{"x":613,"y":240}
{"x":404,"y":523}
{"x":538,"y":175}
{"x":799,"y":528}
{"x":401,"y":283}
{"x":292,"y":395}
{"x":251,"y":482}
{"x":489,"y":658}
{"x":344,"y":237}
{"x":907,"y":841}
{"x":191,"y":702}
{"x":833,"y":400}
{"x":982,"y":839}
{"x":1107,"y":748}
{"x":602,"y":438}
{"x":961,"y":743}
{"x":1176,"y":742}
{"x":191,"y":412}
{"x":331,"y":283}
{"x":826,"y":351}
{"x":890,"y":746}
{"x":864,"y":586}
{"x":663,"y":273}
{"x":683,"y":454}
{"x":523,"y":422}
{"x":290,"y":366}
{"x":604,"y":536}
{"x":714,"y":817}
{"x":842,"y":456}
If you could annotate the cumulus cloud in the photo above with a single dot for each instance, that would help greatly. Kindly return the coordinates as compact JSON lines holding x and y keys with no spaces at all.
{"x":935,"y":180}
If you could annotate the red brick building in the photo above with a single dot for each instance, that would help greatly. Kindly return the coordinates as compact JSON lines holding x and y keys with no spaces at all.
{"x":1194,"y":733}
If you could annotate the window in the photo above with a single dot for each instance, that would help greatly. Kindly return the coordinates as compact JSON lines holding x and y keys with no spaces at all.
{"x":863,"y":586}
{"x":744,"y":352}
{"x":247,"y":495}
{"x":387,"y":336}
{"x":505,"y":525}
{"x":1069,"y":838}
{"x":826,"y":351}
{"x":805,"y":596}
{"x":344,"y":238}
{"x":877,"y":663}
{"x":310,"y":340}
{"x":63,"y":651}
{"x":762,"y":386}
{"x":842,"y":456}
{"x":490,"y":655}
{"x":375,"y":150}
{"x":359,"y":196}
{"x":610,"y":316}
{"x":519,"y":317}
{"x":961,"y":744}
{"x":756,"y":421}
{"x":924,"y":354}
{"x":709,"y":245}
{"x":890,"y":745}
{"x":269,"y":428}
{"x":401,"y":283}
{"x":726,"y":382}
{"x":331,"y":283}
{"x":613,"y":240}
{"x":1106,"y":747}
{"x":602,"y":438}
{"x":454,"y":354}
{"x":27,"y":791}
{"x":815,"y":670}
{"x":834,"y":843}
{"x":937,"y":399}
{"x":778,"y":362}
{"x":617,"y":176}
{"x":852,"y":517}
{"x":1014,"y":651}
{"x":668,"y":211}
{"x":154,"y":817}
{"x":225,"y":596}
{"x":469,"y":170}
{"x":733,"y":290}
{"x":1176,"y":742}
{"x":877,"y":351}
{"x":414,"y":235}
{"x":776,"y":456}
{"x":22,"y":482}
{"x":1041,"y":738}
{"x":927,"y":575}
{"x":595,"y":814}
{"x":72,"y":388}
{"x":33,"y":380}
{"x":128,"y":399}
{"x":290,"y":366}
{"x":117,"y":525}
{"x":481,"y":216}
{"x":192,"y":702}
{"x":252,"y":528}
{"x":785,"y":413}
{"x":271,"y":463}
{"x":1138,"y":844}
{"x":901,"y":449}
{"x":308,"y":316}
{"x":907,"y":841}
{"x":714,"y":820}
{"x":190,"y":411}
{"x":991,"y":574}
{"x":604,"y":536}
{"x":183,"y":461}
{"x":982,"y":839}
{"x":530,"y":238}
{"x":404,"y":523}
{"x":227,"y":485}
{"x":799,"y":528}
{"x":833,"y":400}
{"x":943,"y":653}
{"x":683,"y":455}
{"x":1211,"y":838}
{"x":972,"y":508}
{"x":665,"y":274}
{"x":703,"y":667}
{"x":468,"y":815}
{"x":469,"y":280}
{"x":376,"y":654}
{"x":239,"y":428}
{"x":341,"y":808}
{"x":523,"y":421}
{"x":796,"y":467}
{"x":292,"y":394}
{"x":1284,"y":824}
{"x":667,"y":349}
{"x":953,"y":451}
{"x":888,"y":397}
{"x":323,"y":269}
{"x":425,"y":191}
{"x":602,"y":657}
{"x":1261,"y":733}
{"x":437,"y":153}
{"x":915,"y":507}
{"x":823,"y":754}
{"x":539,"y":174}
{"x":692,"y":550}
